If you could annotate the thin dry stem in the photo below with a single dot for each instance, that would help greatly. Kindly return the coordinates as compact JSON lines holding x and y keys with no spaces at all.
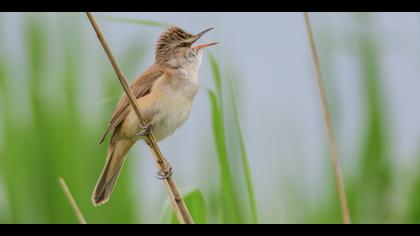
{"x":328,"y":123}
{"x":73,"y":203}
{"x":181,"y":210}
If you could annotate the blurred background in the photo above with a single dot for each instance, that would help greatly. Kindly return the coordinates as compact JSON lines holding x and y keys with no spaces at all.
{"x":254,"y":149}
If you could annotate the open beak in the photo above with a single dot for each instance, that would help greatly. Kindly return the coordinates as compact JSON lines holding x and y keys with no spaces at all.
{"x":198,"y":36}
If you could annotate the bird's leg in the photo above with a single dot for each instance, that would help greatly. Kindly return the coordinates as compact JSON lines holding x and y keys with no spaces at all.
{"x":165,"y":171}
{"x":165,"y":168}
{"x":145,"y":131}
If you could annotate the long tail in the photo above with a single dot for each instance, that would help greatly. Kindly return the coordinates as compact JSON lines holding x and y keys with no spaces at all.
{"x":117,"y":151}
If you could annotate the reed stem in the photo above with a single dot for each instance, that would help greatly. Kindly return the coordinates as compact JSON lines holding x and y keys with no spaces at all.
{"x":328,"y":124}
{"x":73,"y":203}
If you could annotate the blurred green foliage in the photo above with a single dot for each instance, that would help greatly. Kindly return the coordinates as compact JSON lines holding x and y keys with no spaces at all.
{"x":233,"y":210}
{"x":52,"y":139}
{"x":375,"y":166}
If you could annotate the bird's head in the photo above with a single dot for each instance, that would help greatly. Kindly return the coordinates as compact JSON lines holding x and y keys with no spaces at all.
{"x":175,"y":47}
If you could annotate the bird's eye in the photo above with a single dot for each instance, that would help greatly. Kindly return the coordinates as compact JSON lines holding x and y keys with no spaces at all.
{"x":185,"y":44}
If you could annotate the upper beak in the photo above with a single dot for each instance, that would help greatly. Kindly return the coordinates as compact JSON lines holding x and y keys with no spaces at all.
{"x":198,"y":36}
{"x":202,"y":33}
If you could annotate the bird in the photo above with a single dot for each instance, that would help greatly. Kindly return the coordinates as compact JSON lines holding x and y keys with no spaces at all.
{"x":164,"y":92}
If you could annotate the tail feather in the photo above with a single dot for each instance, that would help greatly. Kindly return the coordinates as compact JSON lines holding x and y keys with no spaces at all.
{"x":117,"y":151}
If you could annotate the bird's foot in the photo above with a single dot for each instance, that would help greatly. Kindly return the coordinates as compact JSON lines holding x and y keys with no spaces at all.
{"x":145,"y":130}
{"x":165,"y":171}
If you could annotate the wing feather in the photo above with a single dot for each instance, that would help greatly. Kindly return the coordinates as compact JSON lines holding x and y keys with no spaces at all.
{"x":140,"y":87}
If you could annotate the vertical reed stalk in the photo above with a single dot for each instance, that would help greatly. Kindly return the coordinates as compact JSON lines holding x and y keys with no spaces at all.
{"x":73,"y":203}
{"x":328,"y":123}
{"x":181,"y":210}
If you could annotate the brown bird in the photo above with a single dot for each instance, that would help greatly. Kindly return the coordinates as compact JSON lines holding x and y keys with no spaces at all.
{"x":164,"y":92}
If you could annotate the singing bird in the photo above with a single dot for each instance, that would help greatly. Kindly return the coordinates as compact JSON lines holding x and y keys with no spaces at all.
{"x":164,"y":92}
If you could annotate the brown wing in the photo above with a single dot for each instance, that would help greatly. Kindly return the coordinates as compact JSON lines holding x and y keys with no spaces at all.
{"x":140,"y":87}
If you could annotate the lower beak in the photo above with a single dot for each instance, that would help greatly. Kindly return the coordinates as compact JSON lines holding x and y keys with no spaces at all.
{"x":201,"y":46}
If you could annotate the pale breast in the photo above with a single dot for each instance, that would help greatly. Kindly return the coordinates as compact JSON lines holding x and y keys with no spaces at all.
{"x":166,"y":107}
{"x":173,"y":106}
